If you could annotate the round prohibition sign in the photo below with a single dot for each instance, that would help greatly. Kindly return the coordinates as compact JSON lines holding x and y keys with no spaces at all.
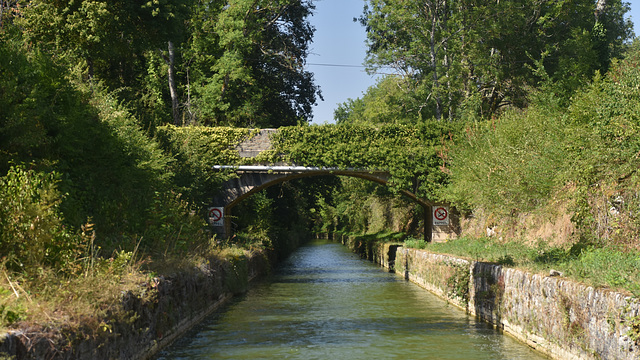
{"x":441,"y":213}
{"x":215,"y":214}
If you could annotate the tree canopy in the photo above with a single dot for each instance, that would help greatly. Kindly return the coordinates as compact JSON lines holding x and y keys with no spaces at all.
{"x":247,"y":62}
{"x":235,"y":62}
{"x":455,"y":58}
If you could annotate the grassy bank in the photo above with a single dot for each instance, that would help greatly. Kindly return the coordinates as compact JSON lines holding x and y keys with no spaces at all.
{"x":596,"y":266}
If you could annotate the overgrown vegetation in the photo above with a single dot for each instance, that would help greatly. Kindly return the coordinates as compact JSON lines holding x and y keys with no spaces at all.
{"x":411,"y":154}
{"x":98,"y":194}
{"x":528,"y":169}
{"x":596,"y":266}
{"x":91,"y":204}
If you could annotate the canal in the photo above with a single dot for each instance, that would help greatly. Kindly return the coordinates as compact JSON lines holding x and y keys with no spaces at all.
{"x":324,"y":302}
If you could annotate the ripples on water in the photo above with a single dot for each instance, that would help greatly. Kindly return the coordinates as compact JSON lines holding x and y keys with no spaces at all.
{"x":324,"y":302}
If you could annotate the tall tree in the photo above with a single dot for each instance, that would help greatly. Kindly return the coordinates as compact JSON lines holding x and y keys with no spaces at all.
{"x":246,"y":62}
{"x":412,"y":38}
{"x":109,"y":35}
{"x":115,"y":40}
{"x":461,"y":54}
{"x":390,"y":101}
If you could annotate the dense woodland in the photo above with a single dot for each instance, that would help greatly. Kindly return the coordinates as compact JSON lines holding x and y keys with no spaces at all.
{"x":113,"y":112}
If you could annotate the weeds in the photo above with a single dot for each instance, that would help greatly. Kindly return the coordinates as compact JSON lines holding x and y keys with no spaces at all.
{"x":634,"y":328}
{"x":458,"y":282}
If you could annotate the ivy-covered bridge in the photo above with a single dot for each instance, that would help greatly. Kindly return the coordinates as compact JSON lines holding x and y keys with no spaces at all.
{"x":409,"y":160}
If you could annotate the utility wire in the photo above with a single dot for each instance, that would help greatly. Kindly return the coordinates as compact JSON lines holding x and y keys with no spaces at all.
{"x":337,"y":65}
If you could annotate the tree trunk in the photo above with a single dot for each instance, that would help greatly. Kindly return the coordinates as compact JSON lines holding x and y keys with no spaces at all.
{"x":172,"y":86}
{"x":433,"y":56}
{"x":601,"y":8}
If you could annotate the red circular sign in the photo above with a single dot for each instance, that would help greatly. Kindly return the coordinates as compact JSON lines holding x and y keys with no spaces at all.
{"x":440,"y":213}
{"x":215,"y":214}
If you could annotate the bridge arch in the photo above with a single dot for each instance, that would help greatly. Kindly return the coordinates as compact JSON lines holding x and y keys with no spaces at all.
{"x":253,"y":179}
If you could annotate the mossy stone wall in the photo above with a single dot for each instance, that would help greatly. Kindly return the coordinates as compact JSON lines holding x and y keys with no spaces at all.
{"x":559,"y":317}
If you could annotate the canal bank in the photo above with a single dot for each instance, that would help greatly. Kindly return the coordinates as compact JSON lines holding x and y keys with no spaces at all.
{"x":325,"y":302}
{"x":559,"y":317}
{"x":563,"y":319}
{"x":152,"y":315}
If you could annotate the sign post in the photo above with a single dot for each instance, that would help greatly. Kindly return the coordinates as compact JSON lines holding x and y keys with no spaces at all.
{"x":440,"y":215}
{"x":216,"y":216}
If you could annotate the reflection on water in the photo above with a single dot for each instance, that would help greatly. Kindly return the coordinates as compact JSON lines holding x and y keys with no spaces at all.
{"x":326,"y":303}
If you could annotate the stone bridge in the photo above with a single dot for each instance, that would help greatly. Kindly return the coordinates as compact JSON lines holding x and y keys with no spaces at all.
{"x":254,"y":178}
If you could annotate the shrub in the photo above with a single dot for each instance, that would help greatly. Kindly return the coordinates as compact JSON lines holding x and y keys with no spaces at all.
{"x":32,"y":234}
{"x":197,"y":149}
{"x":509,"y":165}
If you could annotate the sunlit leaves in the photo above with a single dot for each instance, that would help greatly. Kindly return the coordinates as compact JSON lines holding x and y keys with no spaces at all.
{"x":411,"y":154}
{"x":464,"y":58}
{"x":249,"y":63}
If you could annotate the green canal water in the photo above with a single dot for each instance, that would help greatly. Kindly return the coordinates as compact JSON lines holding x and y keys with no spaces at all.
{"x":324,"y":302}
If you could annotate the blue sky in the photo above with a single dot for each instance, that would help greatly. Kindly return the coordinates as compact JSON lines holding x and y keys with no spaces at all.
{"x":340,"y":41}
{"x":337,"y":41}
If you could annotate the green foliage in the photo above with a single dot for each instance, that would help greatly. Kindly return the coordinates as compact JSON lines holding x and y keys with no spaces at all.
{"x":196,"y":150}
{"x":110,"y":40}
{"x":256,"y":221}
{"x":461,"y":57}
{"x":606,"y":123}
{"x":173,"y":226}
{"x":584,"y":156}
{"x":107,"y":159}
{"x":32,"y":233}
{"x":247,"y":62}
{"x":598,"y":266}
{"x":510,"y":165}
{"x":607,"y":266}
{"x":634,"y":328}
{"x":83,"y":133}
{"x":326,"y":217}
{"x":415,"y":244}
{"x":414,"y":155}
{"x":236,"y":271}
{"x":10,"y":310}
{"x":391,"y":101}
{"x":362,"y":207}
{"x":30,"y":84}
{"x":458,"y":282}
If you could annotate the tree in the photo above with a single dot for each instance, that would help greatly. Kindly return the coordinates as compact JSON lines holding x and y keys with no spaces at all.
{"x":114,"y":41}
{"x":458,"y":54}
{"x":390,"y":101}
{"x":246,"y":62}
{"x":412,"y":38}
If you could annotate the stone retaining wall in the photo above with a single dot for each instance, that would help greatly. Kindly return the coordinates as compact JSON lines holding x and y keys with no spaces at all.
{"x":562,"y":318}
{"x":158,"y":312}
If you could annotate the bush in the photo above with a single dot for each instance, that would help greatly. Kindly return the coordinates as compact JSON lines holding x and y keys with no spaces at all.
{"x":32,"y":234}
{"x":509,"y":165}
{"x":197,"y":149}
{"x":606,"y":122}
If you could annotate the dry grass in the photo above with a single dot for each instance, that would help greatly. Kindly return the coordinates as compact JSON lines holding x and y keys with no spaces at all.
{"x":51,"y":301}
{"x":46,"y":299}
{"x":550,"y":224}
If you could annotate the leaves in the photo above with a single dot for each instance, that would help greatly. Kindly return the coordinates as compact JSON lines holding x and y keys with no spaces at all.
{"x":249,"y":63}
{"x":31,"y":230}
{"x":409,"y":153}
{"x":460,"y":58}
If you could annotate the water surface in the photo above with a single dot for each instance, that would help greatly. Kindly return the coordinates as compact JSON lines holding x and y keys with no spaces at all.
{"x":324,"y":302}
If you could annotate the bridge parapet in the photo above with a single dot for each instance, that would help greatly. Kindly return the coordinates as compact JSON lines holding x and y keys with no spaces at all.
{"x":256,"y":144}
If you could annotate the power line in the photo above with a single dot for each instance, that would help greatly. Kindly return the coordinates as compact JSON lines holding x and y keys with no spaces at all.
{"x":337,"y":65}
